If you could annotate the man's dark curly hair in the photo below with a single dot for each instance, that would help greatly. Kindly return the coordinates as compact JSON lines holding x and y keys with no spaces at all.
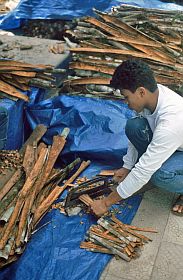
{"x":133,"y":73}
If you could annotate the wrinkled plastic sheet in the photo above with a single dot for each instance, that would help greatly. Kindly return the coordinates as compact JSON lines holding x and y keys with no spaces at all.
{"x":96,"y":126}
{"x":15,"y":130}
{"x":67,"y":10}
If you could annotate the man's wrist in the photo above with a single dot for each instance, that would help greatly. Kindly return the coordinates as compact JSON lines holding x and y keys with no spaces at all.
{"x":107,"y":202}
{"x":113,"y":198}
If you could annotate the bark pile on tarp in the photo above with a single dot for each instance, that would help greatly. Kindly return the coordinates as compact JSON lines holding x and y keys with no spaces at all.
{"x":111,"y":236}
{"x":28,"y":188}
{"x":16,"y":76}
{"x":152,"y":35}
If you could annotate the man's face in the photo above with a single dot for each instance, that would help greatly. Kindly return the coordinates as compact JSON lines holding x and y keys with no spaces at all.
{"x":136,"y":100}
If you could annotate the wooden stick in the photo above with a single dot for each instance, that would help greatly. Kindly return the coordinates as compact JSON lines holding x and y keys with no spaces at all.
{"x":46,"y":204}
{"x":107,"y":173}
{"x":56,"y":193}
{"x":11,"y":222}
{"x":82,"y":167}
{"x":36,"y":135}
{"x":29,"y":159}
{"x":133,"y":227}
{"x":34,"y":173}
{"x":144,"y":238}
{"x":85,"y":198}
{"x":57,"y":146}
{"x":7,"y":187}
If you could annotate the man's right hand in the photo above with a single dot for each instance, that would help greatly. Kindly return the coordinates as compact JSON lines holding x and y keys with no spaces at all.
{"x":120,"y":174}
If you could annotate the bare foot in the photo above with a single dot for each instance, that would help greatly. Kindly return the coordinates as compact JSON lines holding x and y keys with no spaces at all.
{"x":178,"y":205}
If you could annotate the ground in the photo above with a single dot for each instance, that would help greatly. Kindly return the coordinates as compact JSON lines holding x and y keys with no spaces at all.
{"x":161,"y":259}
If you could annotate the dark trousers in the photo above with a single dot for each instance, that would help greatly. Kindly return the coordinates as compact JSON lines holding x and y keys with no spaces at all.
{"x":170,"y":175}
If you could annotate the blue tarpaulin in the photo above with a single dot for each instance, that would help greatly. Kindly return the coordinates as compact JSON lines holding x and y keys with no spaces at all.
{"x":67,"y":10}
{"x":15,"y":130}
{"x":97,"y":126}
{"x":97,"y":133}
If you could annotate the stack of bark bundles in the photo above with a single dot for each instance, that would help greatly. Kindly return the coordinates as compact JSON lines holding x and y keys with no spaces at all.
{"x":16,"y":76}
{"x":28,"y":189}
{"x":111,"y":236}
{"x":152,"y":35}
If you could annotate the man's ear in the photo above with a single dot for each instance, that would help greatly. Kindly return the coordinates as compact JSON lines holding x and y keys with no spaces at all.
{"x":141,"y":91}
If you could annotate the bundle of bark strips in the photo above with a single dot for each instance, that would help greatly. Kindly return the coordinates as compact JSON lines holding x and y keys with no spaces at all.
{"x":111,"y":236}
{"x":104,"y":42}
{"x":16,"y":76}
{"x":27,"y":191}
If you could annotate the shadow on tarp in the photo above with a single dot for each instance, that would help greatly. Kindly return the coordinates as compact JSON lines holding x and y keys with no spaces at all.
{"x":67,"y":10}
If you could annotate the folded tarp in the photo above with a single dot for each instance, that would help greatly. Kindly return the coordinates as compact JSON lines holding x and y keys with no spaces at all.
{"x":67,"y":10}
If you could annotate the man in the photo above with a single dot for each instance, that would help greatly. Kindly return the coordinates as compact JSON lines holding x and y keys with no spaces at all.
{"x":3,"y":127}
{"x":155,"y":136}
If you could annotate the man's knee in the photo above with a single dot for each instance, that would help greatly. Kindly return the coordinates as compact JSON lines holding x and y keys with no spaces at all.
{"x":163,"y":177}
{"x":134,"y":125}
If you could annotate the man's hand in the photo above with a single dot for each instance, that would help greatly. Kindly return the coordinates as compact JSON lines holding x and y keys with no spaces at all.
{"x":120,"y":174}
{"x":99,"y":207}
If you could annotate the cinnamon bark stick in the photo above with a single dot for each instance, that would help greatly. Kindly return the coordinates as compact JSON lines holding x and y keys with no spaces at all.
{"x":57,"y":146}
{"x":107,"y":173}
{"x":85,"y":198}
{"x":6,"y":233}
{"x":29,"y":159}
{"x":7,"y":187}
{"x":146,"y":229}
{"x":22,"y":194}
{"x":56,"y":193}
{"x":34,"y":173}
{"x":46,"y":204}
{"x":82,"y":167}
{"x":28,"y":202}
{"x":110,"y":246}
{"x":36,"y":135}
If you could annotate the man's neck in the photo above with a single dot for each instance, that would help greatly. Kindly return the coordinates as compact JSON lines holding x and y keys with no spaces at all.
{"x":152,"y":100}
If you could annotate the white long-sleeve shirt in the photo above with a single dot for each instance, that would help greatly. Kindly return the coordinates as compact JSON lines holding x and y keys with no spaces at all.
{"x":166,"y":123}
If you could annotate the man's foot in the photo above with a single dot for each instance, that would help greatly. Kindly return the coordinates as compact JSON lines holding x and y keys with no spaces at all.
{"x":177,"y":208}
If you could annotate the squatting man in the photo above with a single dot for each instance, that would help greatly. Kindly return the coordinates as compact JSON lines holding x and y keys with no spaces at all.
{"x":155,"y":150}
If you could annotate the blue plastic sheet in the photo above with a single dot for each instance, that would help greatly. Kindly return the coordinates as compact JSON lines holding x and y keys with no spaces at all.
{"x":96,"y":126}
{"x":15,"y":131}
{"x":63,"y":9}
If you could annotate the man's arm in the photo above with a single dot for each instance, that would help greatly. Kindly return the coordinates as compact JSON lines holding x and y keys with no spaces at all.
{"x":164,"y":143}
{"x":131,"y":156}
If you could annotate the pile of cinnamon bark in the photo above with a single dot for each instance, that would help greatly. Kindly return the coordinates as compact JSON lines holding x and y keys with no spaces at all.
{"x":29,"y":188}
{"x":16,"y":76}
{"x":152,"y":35}
{"x":111,"y":236}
